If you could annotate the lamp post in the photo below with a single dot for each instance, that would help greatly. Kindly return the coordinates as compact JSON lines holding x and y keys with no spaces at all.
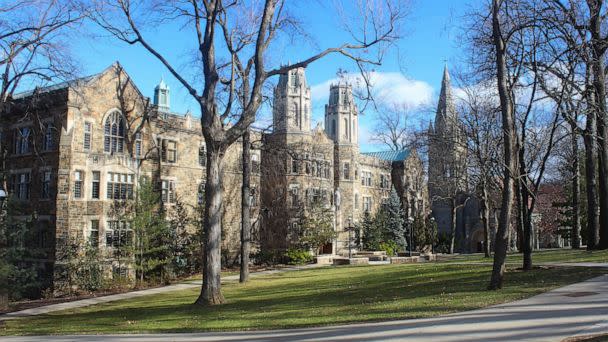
{"x":433,"y":230}
{"x":410,"y":224}
{"x":350,"y":238}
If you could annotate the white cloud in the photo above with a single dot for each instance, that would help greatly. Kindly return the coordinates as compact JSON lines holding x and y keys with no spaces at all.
{"x":388,"y":88}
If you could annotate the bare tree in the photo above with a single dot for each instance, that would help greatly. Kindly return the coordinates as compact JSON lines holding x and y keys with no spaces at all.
{"x":391,"y":127}
{"x":233,"y":39}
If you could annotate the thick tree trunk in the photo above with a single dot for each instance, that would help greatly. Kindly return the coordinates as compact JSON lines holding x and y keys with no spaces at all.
{"x":599,"y":84}
{"x":485,"y":220}
{"x":453,"y":224}
{"x":508,"y":128}
{"x":246,"y":209}
{"x":211,"y":292}
{"x":593,"y":224}
{"x":576,"y":218}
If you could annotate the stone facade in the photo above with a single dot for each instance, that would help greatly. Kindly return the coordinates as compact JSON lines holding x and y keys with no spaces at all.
{"x":76,"y":149}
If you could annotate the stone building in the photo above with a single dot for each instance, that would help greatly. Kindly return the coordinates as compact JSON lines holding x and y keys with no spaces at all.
{"x":72,"y":151}
{"x":448,"y":183}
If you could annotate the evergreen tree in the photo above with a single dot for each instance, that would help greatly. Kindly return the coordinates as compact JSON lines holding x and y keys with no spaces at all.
{"x":369,"y":231}
{"x":315,"y":227}
{"x":394,"y":227}
{"x":152,"y":245}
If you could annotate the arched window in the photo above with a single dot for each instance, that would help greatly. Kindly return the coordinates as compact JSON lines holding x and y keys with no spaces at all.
{"x":295,"y":114}
{"x":114,"y":133}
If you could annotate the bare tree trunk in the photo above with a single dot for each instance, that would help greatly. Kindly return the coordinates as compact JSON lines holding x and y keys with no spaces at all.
{"x":524,"y":221}
{"x":453,"y":224}
{"x":599,"y":84}
{"x":576,"y":219}
{"x":593,"y":225}
{"x":246,"y":209}
{"x":508,"y":128}
{"x":211,"y":293}
{"x":485,"y":220}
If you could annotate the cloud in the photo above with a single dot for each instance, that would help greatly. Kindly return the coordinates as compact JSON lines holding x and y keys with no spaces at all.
{"x":388,"y":88}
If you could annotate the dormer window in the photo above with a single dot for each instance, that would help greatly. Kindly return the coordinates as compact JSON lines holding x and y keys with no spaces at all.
{"x":114,"y":133}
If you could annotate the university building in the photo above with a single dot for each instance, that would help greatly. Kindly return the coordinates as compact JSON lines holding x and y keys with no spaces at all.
{"x":72,"y":151}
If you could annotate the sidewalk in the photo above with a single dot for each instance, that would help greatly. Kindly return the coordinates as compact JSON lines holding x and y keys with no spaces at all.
{"x":577,"y":309}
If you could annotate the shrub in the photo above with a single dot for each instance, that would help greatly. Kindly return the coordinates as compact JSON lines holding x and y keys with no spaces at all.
{"x":270,"y":257}
{"x":390,"y":247}
{"x":298,"y":256}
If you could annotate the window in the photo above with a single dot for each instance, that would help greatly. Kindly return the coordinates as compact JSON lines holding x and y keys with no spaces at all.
{"x":45,"y":191}
{"x":316,"y":196}
{"x":344,"y":98}
{"x":366,"y":178}
{"x":22,"y":140}
{"x":168,"y":150}
{"x":21,"y":185}
{"x":255,"y":164}
{"x":345,"y":128}
{"x":168,"y":191}
{"x":356,"y":201}
{"x":78,"y":177}
{"x":88,"y":128}
{"x":138,"y":145}
{"x":294,"y":114}
{"x":346,"y":170}
{"x":295,"y":196}
{"x":119,"y":186}
{"x":48,"y":142}
{"x":94,"y":233}
{"x":333,"y":127}
{"x":202,"y":156}
{"x":118,"y":234}
{"x":294,"y":79}
{"x":114,"y":133}
{"x":367,"y":203}
{"x":95,"y":185}
{"x":384,"y":182}
{"x":201,"y":193}
{"x":294,"y":164}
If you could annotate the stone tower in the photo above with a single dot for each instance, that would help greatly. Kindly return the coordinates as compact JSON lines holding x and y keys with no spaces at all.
{"x":447,"y":163}
{"x":341,"y":125}
{"x":292,"y":110}
{"x":161,"y":96}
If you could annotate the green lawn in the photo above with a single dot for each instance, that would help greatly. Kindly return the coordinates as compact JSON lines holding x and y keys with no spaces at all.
{"x":543,"y":256}
{"x":315,"y":297}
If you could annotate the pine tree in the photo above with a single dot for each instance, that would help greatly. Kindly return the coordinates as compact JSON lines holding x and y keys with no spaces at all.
{"x":394,"y":228}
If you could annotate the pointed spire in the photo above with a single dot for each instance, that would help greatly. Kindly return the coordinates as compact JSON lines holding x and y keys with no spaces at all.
{"x":445,"y":108}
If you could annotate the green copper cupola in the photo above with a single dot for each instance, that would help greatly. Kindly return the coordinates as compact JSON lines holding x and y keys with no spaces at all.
{"x":161,"y":96}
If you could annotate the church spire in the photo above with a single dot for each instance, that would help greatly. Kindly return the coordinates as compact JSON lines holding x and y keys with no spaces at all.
{"x":161,"y":96}
{"x":446,"y":111}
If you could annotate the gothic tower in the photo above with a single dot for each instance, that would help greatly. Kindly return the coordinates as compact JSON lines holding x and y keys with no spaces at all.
{"x":341,"y":125}
{"x":292,"y":110}
{"x":447,"y":162}
{"x":161,"y":96}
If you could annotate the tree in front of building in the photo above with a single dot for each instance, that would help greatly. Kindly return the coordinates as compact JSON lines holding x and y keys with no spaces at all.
{"x":151,"y":247}
{"x":315,"y":227}
{"x":394,"y":223}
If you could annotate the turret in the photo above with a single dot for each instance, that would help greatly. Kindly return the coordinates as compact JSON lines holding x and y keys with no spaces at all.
{"x":292,"y":109}
{"x":341,"y":117}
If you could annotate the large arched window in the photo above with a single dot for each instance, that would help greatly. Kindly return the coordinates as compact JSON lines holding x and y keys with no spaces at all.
{"x":114,"y":133}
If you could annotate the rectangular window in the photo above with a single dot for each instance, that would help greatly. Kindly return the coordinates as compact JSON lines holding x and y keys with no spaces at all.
{"x":22,"y":140}
{"x":21,"y":185}
{"x":95,"y":185}
{"x":119,"y":186}
{"x":168,"y":191}
{"x":295,"y":196}
{"x":367,"y":204}
{"x":202,"y":156}
{"x":138,"y":145}
{"x":168,"y":150}
{"x":346,"y":170}
{"x":94,"y":233}
{"x":48,"y":142}
{"x":87,"y":136}
{"x":45,"y":191}
{"x":78,"y":178}
{"x":118,"y":234}
{"x":294,"y":164}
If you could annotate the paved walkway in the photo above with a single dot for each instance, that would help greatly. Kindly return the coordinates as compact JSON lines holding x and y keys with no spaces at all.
{"x":577,"y":309}
{"x":133,"y":294}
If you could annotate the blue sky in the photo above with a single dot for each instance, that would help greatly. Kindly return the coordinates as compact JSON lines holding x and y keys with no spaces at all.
{"x":411,"y":73}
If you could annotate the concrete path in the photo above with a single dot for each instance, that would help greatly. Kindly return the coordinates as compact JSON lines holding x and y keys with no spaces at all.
{"x":133,"y":294}
{"x":577,"y":309}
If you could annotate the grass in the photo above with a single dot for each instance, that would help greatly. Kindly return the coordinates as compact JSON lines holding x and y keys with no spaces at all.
{"x":542,"y":256}
{"x":316,"y":297}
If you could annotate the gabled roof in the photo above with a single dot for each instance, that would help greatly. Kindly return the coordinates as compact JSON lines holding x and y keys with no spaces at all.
{"x":53,"y":87}
{"x":390,"y":155}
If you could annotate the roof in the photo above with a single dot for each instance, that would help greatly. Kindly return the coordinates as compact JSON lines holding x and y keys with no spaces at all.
{"x":390,"y":155}
{"x":58,"y":86}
